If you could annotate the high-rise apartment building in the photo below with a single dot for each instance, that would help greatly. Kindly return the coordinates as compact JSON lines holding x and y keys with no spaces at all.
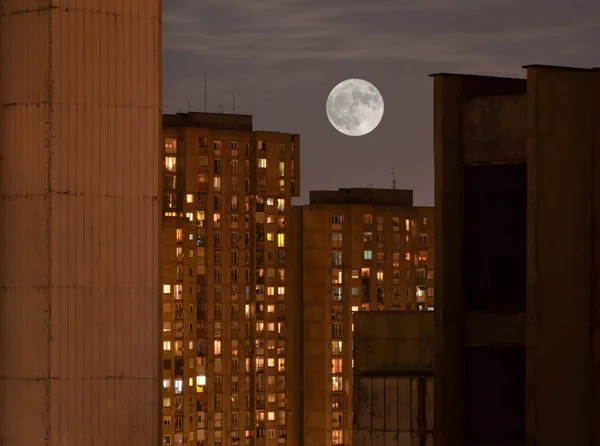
{"x":80,"y":120}
{"x":227,"y":319}
{"x":361,"y":250}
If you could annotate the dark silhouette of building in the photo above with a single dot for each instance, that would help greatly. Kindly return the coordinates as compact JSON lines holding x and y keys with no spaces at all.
{"x":517,"y":171}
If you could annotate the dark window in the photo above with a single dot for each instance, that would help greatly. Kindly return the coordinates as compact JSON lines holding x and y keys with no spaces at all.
{"x":495,"y":237}
{"x":495,"y":395}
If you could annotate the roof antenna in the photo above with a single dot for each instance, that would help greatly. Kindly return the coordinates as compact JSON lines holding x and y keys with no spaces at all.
{"x":188,"y":105}
{"x":234,"y":103}
{"x":205,"y":79}
{"x":393,"y":180}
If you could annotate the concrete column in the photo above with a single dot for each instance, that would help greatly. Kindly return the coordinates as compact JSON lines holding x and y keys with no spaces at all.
{"x":448,"y":275}
{"x":80,"y":98}
{"x":562,"y":225}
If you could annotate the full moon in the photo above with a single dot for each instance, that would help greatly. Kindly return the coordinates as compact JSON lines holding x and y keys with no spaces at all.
{"x":354,"y":107}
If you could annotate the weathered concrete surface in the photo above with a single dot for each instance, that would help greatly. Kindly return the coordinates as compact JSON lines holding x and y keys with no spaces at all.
{"x":479,"y":120}
{"x":563,"y":297}
{"x":393,"y":342}
{"x":494,"y":128}
{"x":80,"y":98}
{"x":393,"y":411}
{"x":393,"y":378}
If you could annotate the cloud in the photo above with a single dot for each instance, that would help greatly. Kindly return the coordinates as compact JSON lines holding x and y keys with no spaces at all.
{"x":271,"y":30}
{"x":281,"y":58}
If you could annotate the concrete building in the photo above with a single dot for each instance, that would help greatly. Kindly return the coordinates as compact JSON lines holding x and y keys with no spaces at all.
{"x":80,"y":99}
{"x":517,"y":233}
{"x":361,"y":250}
{"x":229,"y":322}
{"x":393,"y":378}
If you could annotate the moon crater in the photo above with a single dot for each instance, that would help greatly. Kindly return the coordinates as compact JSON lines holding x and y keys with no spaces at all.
{"x":354,"y":107}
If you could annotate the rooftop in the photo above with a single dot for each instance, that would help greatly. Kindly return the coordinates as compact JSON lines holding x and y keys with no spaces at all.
{"x":365,"y":196}
{"x":214,"y":121}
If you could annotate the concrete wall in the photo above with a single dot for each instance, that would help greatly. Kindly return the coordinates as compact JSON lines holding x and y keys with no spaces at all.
{"x":393,"y":342}
{"x":494,"y":128}
{"x":393,"y":378}
{"x":479,"y":120}
{"x":80,"y":98}
{"x":393,"y":411}
{"x":563,"y":298}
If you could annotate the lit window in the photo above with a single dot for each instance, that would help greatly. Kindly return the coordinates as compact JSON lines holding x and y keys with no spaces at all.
{"x":336,"y":219}
{"x":271,"y":362}
{"x":281,"y":169}
{"x":281,"y":290}
{"x":166,"y":289}
{"x":262,"y":163}
{"x":407,"y":224}
{"x":178,"y":386}
{"x":171,"y":163}
{"x":280,"y":205}
{"x":217,"y":347}
{"x":270,"y":237}
{"x":355,"y":309}
{"x":217,"y":182}
{"x":368,"y":219}
{"x":337,"y":436}
{"x":355,"y":273}
{"x":271,"y":326}
{"x":271,"y":398}
{"x":424,"y":221}
{"x":201,"y":380}
{"x":336,"y":383}
{"x":271,"y":416}
{"x":191,"y":382}
{"x":280,"y":240}
{"x":336,"y":365}
{"x":336,"y":347}
{"x":166,"y":402}
{"x":270,"y":291}
{"x":281,"y":364}
{"x":368,"y":255}
{"x":189,"y":198}
{"x":190,"y":216}
{"x":170,"y":145}
{"x":167,"y":345}
{"x":271,"y":308}
{"x":166,"y":383}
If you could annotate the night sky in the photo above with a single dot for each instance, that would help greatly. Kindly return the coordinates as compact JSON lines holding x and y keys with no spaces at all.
{"x":281,"y":58}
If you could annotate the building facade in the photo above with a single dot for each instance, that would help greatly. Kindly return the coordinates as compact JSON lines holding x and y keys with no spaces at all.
{"x":362,"y":250}
{"x":393,"y":378}
{"x":517,"y":218}
{"x":227,"y":319}
{"x":80,"y":119}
